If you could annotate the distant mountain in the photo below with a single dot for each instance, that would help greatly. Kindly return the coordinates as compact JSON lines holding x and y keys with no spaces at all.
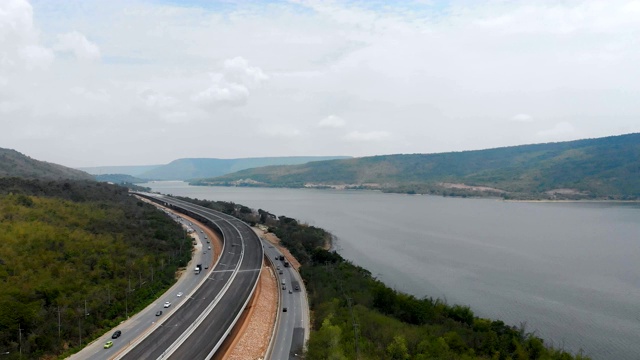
{"x":15,"y":164}
{"x":195,"y":168}
{"x":133,"y":170}
{"x":119,"y":179}
{"x":600,"y":168}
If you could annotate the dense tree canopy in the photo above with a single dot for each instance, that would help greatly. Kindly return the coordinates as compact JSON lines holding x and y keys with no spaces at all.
{"x":75,"y":259}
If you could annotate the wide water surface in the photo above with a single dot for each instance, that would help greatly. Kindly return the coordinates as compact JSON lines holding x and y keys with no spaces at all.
{"x":570,"y":271}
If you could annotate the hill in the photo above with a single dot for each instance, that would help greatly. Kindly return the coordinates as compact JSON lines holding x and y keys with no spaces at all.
{"x":15,"y":164}
{"x":119,"y":179}
{"x":603,"y":168}
{"x":133,"y":170}
{"x":69,"y":251}
{"x":195,"y":168}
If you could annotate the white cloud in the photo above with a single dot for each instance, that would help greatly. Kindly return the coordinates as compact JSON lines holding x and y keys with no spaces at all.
{"x":448,"y":75}
{"x":36,"y":57}
{"x":232,"y":87}
{"x":77,"y":44}
{"x":559,"y":130}
{"x":19,"y":43}
{"x":522,"y":118}
{"x":7,"y":107}
{"x":156,"y":100}
{"x":16,"y":20}
{"x":282,"y":132}
{"x":223,"y":94}
{"x":100,"y":95}
{"x":237,"y":70}
{"x":332,"y":121}
{"x":367,"y":136}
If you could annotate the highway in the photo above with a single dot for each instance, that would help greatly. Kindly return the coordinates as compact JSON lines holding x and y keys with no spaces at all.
{"x":197,"y":328}
{"x":146,"y":319}
{"x":292,"y":331}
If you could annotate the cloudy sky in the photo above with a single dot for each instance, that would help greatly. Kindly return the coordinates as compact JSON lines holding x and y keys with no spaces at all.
{"x":111,"y":82}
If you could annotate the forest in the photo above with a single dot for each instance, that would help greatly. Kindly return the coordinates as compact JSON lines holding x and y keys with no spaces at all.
{"x":77,"y":258}
{"x":356,"y":316}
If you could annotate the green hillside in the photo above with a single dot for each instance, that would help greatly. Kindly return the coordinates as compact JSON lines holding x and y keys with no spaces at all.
{"x":606,"y":167}
{"x":80,"y":255}
{"x":133,"y":170}
{"x":185,"y":169}
{"x":15,"y":164}
{"x":119,"y":179}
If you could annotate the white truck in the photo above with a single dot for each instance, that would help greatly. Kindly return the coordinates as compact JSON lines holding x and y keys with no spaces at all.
{"x":198,"y":269}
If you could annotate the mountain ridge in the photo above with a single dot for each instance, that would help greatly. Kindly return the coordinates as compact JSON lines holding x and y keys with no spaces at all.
{"x":17,"y":164}
{"x":607,"y":167}
{"x":194,"y":168}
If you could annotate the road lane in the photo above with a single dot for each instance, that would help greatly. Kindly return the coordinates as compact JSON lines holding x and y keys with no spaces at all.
{"x":208,"y":326}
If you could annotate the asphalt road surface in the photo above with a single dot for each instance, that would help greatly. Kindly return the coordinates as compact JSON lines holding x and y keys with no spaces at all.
{"x":197,"y":328}
{"x":293,"y":327}
{"x":146,"y":319}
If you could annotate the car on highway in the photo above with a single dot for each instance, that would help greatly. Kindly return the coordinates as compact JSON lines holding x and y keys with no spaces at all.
{"x":179,"y":294}
{"x":297,"y":287}
{"x":116,"y":334}
{"x":206,"y":266}
{"x":284,"y":287}
{"x":280,"y":272}
{"x":159,"y":313}
{"x":209,"y":248}
{"x":167,"y":304}
{"x":290,"y":292}
{"x":284,"y":309}
{"x":108,"y":344}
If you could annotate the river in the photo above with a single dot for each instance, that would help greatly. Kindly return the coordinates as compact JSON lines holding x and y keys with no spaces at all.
{"x":569,"y":271}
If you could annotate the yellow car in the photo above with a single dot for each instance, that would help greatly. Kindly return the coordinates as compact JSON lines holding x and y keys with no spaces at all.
{"x":108,"y":344}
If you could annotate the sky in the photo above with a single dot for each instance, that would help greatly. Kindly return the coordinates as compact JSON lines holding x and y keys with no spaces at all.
{"x":139,"y":82}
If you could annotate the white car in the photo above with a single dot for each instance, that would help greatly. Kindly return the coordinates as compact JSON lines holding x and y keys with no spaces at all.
{"x":179,"y":294}
{"x":167,"y":304}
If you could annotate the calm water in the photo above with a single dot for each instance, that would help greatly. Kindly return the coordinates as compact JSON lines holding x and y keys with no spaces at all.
{"x":570,"y":271}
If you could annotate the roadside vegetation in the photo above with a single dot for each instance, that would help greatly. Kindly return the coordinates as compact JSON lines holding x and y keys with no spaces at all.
{"x":357,"y":316}
{"x":77,"y":257}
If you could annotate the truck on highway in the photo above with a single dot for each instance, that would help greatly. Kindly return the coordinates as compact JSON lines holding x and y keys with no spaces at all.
{"x":198,"y":269}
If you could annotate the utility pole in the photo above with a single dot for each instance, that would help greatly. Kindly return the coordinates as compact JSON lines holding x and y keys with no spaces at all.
{"x":152,"y":274}
{"x":58,"y":322}
{"x":355,"y":326}
{"x":108,"y":295}
{"x":126,"y":303}
{"x":20,"y":340}
{"x":80,"y":330}
{"x":86,"y":313}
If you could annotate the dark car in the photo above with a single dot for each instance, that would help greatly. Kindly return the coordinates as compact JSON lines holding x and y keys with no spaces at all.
{"x":297,"y":287}
{"x":159,"y":313}
{"x":116,"y":334}
{"x":284,"y":309}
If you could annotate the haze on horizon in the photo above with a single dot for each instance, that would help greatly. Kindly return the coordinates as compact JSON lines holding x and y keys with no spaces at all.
{"x":94,"y":83}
